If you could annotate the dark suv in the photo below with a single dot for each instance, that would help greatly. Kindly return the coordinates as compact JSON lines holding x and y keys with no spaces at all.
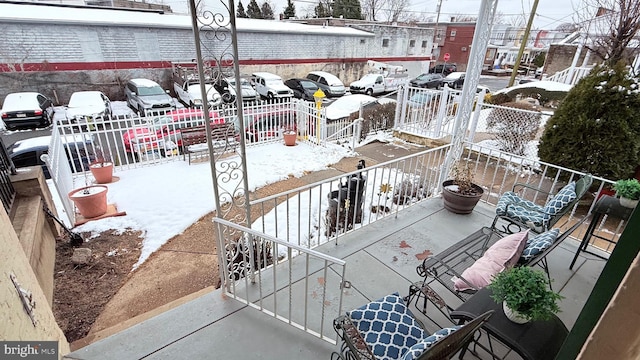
{"x":80,"y":152}
{"x":444,"y":69}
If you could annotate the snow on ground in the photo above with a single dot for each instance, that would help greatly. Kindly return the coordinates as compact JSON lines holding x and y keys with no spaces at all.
{"x":162,"y":201}
{"x":546,"y":85}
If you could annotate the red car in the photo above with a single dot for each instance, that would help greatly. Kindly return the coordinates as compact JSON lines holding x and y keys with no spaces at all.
{"x":162,"y":133}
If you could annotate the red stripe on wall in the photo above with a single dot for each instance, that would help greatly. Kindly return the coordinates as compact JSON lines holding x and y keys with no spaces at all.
{"x":122,"y":65}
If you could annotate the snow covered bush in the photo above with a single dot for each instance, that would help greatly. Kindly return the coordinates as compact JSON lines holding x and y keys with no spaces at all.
{"x":596,"y":129}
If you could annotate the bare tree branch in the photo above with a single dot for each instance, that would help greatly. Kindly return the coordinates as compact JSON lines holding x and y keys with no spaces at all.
{"x":610,"y":32}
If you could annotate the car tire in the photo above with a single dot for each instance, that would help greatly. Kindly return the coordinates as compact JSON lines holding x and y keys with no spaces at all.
{"x":369,"y":92}
{"x":270,"y":96}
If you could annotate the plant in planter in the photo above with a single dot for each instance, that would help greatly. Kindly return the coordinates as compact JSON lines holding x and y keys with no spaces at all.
{"x":91,"y":201}
{"x":460,"y":194}
{"x":525,"y":294}
{"x":102,"y":168}
{"x":629,"y":192}
{"x":289,"y":136}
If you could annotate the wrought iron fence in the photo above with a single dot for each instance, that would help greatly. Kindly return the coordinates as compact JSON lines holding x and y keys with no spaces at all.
{"x":7,"y":192}
{"x":268,"y":273}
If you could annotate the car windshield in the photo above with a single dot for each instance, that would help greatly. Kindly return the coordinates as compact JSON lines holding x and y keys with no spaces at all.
{"x":151,"y":91}
{"x":274,"y":82}
{"x":370,"y":77}
{"x":20,"y":101}
{"x":309,"y":85}
{"x":243,"y":83}
{"x":454,"y":76}
{"x":424,"y":77}
{"x":88,"y":98}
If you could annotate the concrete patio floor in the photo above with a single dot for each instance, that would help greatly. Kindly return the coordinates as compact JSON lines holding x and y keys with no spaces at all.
{"x":216,"y":327}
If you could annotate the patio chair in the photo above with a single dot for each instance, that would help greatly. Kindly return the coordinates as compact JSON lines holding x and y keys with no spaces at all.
{"x":522,"y":213}
{"x":386,"y":329}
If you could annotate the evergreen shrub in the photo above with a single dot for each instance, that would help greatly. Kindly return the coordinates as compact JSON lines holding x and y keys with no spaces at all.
{"x":596,"y":129}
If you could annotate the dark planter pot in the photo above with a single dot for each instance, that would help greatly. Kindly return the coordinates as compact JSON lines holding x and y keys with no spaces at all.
{"x":458,"y":203}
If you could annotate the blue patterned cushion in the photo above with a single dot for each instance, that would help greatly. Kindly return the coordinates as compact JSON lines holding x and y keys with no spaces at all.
{"x":387,"y":326}
{"x":561,"y":200}
{"x":538,"y":244}
{"x":525,"y":211}
{"x":418,"y":349}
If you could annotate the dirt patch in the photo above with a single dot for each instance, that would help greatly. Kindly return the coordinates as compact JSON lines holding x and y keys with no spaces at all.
{"x":82,"y":291}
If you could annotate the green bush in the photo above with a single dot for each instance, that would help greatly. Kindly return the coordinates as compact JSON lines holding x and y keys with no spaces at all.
{"x":596,"y":129}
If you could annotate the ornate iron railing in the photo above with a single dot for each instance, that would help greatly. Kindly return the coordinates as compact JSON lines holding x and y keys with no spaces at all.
{"x":7,"y":192}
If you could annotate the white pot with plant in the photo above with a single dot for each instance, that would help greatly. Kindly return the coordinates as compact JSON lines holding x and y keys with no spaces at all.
{"x":525,"y":294}
{"x":628,"y":191}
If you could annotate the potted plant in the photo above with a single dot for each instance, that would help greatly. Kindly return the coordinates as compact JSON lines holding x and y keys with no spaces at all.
{"x":460,"y":194}
{"x":525,"y":294}
{"x":629,"y":192}
{"x":289,"y":136}
{"x":102,"y":168}
{"x":91,"y":201}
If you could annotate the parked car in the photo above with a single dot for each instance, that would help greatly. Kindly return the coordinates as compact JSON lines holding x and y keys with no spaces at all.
{"x":421,"y":99}
{"x":26,"y":110}
{"x":80,"y":149}
{"x":455,"y":80}
{"x":145,"y":96}
{"x":444,"y":69}
{"x":349,"y":104}
{"x":86,"y":106}
{"x":429,"y":81}
{"x":270,"y":85}
{"x":162,"y":133}
{"x":227,"y":88}
{"x":302,"y":88}
{"x":329,"y":83}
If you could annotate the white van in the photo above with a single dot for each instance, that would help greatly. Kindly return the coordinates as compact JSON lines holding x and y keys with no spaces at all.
{"x":329,"y":83}
{"x":270,"y":85}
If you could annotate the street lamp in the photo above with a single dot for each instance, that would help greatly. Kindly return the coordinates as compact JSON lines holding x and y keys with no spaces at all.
{"x":318,"y":96}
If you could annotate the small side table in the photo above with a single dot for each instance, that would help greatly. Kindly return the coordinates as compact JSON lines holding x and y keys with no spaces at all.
{"x":535,"y":340}
{"x":606,"y":205}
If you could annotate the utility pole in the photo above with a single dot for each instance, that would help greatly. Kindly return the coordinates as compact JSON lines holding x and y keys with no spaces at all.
{"x":525,"y":39}
{"x":436,"y":45}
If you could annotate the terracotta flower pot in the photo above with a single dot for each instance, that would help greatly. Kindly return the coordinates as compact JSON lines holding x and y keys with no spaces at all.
{"x":289,"y":137}
{"x":102,"y":172}
{"x":91,"y":201}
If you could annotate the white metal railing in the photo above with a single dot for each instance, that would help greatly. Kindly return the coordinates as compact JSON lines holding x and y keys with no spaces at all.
{"x":427,"y":112}
{"x":300,"y":287}
{"x":498,"y":171}
{"x":312,"y":215}
{"x":569,"y":76}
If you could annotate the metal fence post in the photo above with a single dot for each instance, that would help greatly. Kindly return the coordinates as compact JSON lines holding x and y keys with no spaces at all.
{"x":476,"y":115}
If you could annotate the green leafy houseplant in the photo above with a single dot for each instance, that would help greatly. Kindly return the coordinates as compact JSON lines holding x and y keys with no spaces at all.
{"x":629,"y":189}
{"x":526,"y":291}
